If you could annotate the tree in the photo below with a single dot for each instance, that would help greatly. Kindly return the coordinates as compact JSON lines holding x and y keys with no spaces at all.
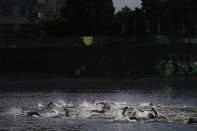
{"x":177,"y":14}
{"x":89,"y":16}
{"x":127,"y":20}
{"x":155,"y":11}
{"x":52,"y":26}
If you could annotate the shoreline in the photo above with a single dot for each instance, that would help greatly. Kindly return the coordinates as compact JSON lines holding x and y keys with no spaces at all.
{"x":82,"y":84}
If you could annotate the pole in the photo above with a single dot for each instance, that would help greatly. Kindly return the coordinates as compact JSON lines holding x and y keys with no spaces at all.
{"x":54,"y":7}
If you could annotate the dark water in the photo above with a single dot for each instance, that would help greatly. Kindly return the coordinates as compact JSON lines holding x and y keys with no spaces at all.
{"x":174,"y":106}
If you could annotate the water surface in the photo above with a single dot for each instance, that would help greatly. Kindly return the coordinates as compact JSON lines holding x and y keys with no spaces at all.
{"x":175,"y":107}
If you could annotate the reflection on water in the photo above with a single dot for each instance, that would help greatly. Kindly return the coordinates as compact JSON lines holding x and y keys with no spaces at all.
{"x":174,"y":108}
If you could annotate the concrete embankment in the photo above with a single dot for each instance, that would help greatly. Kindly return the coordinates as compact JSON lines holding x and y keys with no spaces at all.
{"x":83,"y":84}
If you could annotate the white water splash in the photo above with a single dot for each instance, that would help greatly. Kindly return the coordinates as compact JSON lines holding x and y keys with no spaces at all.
{"x":16,"y":111}
{"x":169,"y":113}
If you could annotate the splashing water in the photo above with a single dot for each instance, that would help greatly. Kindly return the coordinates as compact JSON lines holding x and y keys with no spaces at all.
{"x":85,"y":108}
{"x":171,"y":113}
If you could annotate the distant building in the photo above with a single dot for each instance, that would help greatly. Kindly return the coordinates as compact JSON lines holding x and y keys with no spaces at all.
{"x":14,"y":13}
{"x":50,"y":7}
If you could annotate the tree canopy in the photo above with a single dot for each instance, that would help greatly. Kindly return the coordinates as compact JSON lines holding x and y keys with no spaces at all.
{"x":98,"y":17}
{"x":180,"y":15}
{"x":89,"y":16}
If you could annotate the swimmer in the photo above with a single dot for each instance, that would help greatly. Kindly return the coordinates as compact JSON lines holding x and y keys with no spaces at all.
{"x":134,"y":118}
{"x":31,"y":113}
{"x":124,"y":111}
{"x":130,"y":113}
{"x":97,"y":111}
{"x":67,"y":112}
{"x":105,"y":106}
{"x":151,"y":115}
{"x":133,"y":114}
{"x":155,"y":112}
{"x":191,"y":120}
{"x":51,"y":104}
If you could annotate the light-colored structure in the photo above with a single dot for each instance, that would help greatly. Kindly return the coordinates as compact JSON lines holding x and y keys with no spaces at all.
{"x":14,"y":13}
{"x":50,"y":7}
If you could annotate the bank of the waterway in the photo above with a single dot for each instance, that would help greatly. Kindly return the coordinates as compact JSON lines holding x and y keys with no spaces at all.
{"x":85,"y":84}
{"x":104,"y":61}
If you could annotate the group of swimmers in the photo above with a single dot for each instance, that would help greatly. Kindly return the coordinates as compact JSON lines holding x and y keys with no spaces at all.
{"x":130,"y":112}
{"x":133,"y":114}
{"x":48,"y":106}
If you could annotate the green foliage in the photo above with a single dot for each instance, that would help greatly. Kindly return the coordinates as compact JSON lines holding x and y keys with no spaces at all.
{"x":8,"y":33}
{"x":86,"y":17}
{"x":156,"y":39}
{"x":175,"y":68}
{"x":52,"y":26}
